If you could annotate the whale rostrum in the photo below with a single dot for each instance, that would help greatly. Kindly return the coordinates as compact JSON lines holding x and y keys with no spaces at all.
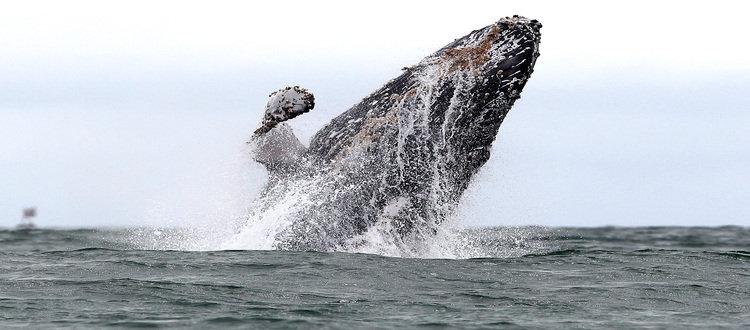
{"x":397,"y":162}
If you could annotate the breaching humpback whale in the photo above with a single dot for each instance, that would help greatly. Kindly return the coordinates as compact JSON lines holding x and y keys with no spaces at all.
{"x":396,"y":163}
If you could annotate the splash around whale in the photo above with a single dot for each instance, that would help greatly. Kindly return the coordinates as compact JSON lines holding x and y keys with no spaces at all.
{"x":394,"y":166}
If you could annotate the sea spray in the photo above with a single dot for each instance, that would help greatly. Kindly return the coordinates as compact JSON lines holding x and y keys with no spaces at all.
{"x":228,"y":217}
{"x":203,"y":212}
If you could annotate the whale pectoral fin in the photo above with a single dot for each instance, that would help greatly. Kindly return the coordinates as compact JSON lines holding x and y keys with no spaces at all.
{"x":283,"y":105}
{"x":278,"y":148}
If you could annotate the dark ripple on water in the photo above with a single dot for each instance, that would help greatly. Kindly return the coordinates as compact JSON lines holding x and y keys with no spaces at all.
{"x":582,"y":277}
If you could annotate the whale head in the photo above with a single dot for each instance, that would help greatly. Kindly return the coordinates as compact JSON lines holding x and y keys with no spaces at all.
{"x":482,"y":74}
{"x":468,"y":88}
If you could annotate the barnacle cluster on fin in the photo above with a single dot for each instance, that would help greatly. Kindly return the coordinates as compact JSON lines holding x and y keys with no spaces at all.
{"x":283,"y":105}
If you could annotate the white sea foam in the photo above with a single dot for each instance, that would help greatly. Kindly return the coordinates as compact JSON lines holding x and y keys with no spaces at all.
{"x":234,"y":227}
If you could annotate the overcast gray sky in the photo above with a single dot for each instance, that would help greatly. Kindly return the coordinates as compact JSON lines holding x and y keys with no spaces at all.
{"x":136,"y":112}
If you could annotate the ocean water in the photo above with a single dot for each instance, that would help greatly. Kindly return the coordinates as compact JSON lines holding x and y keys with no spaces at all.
{"x":527,"y":277}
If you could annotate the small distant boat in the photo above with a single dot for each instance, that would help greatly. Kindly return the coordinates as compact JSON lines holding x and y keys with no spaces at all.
{"x":26,"y":222}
